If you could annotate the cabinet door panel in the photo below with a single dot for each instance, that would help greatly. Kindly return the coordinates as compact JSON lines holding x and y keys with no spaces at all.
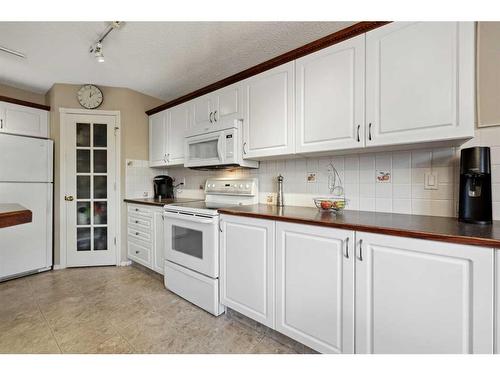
{"x":419,"y":82}
{"x":177,"y":126}
{"x":315,"y":286}
{"x":158,"y":242}
{"x":417,"y":296}
{"x":330,"y":98}
{"x":269,"y":120}
{"x":247,"y":267}
{"x":202,"y":109}
{"x":22,"y":120}
{"x":157,"y":139}
{"x":229,"y":108}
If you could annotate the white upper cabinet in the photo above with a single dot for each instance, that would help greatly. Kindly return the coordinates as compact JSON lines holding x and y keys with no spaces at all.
{"x":203,"y":109}
{"x":230,"y":105}
{"x":419,"y":82}
{"x":415,"y":296}
{"x":21,"y":120}
{"x":315,"y":286}
{"x":268,"y":126}
{"x":166,"y":136}
{"x":177,"y":125}
{"x":157,"y":139}
{"x":330,"y":98}
{"x":216,"y":110}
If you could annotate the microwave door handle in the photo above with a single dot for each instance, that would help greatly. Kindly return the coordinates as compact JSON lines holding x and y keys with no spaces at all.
{"x":219,"y":147}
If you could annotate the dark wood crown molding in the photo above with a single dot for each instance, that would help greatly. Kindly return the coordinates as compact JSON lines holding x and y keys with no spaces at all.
{"x":24,"y":103}
{"x":329,"y":40}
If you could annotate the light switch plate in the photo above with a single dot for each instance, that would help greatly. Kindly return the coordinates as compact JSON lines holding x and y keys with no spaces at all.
{"x":430,"y":181}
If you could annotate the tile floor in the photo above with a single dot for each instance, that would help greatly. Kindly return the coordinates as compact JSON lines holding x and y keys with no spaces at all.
{"x":115,"y":310}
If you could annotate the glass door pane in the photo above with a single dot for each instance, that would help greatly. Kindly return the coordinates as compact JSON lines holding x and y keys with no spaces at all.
{"x":91,"y":187}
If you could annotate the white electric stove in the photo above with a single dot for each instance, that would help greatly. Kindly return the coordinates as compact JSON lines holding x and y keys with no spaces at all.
{"x":192,"y":240}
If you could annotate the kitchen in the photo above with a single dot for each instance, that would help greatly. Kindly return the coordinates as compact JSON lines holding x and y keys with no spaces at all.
{"x":340,"y":195}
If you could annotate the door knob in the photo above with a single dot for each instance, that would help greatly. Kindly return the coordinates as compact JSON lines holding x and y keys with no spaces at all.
{"x":68,"y":198}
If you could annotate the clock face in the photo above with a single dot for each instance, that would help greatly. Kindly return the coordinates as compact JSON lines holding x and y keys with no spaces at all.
{"x":90,"y":96}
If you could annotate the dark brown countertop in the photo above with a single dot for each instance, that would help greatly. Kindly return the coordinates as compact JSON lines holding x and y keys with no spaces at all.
{"x":446,"y":229}
{"x":13,"y":214}
{"x":158,"y":202}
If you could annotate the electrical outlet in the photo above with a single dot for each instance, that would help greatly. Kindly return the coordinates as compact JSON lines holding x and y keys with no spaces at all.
{"x":430,"y":181}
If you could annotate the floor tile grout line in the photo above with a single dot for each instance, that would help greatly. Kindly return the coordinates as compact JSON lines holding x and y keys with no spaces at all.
{"x":44,"y":318}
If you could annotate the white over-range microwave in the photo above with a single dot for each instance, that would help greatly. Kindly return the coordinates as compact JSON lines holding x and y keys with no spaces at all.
{"x":217,"y":150}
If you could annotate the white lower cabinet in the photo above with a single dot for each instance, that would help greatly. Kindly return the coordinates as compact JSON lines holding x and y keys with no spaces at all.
{"x":247,"y":267}
{"x":417,"y":296}
{"x":339,"y":291}
{"x":315,"y":286}
{"x":146,"y":238}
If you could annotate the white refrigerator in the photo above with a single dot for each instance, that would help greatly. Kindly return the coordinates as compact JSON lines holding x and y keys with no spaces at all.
{"x":26,"y":178}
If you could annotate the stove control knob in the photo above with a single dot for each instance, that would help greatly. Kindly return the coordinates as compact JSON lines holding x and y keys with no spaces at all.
{"x":247,"y":186}
{"x":241,"y":186}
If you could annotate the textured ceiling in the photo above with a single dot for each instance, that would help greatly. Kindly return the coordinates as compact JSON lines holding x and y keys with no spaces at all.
{"x":162,"y":59}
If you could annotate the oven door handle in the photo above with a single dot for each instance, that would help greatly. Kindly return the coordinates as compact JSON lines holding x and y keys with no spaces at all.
{"x":188,"y":217}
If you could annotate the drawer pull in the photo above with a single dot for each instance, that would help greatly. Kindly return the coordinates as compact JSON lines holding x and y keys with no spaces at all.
{"x":137,"y":251}
{"x":137,"y":209}
{"x":136,"y":233}
{"x":137,"y":221}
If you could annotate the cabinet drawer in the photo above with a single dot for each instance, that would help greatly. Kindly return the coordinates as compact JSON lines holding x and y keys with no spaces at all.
{"x":139,"y":252}
{"x":138,"y":221}
{"x":140,"y":211}
{"x":140,"y":234}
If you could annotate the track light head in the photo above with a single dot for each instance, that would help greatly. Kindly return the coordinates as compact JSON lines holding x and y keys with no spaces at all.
{"x":98,"y":54}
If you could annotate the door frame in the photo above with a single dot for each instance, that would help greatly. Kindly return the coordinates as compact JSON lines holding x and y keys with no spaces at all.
{"x":64,"y":113}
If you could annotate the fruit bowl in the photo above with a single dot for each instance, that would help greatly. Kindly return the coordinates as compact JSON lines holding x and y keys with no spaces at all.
{"x":335,"y":204}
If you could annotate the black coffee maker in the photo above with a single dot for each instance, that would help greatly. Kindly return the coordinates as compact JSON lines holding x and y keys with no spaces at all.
{"x":474,"y":205}
{"x":163,"y":187}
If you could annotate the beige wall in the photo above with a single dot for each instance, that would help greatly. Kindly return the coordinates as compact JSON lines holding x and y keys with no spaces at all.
{"x":16,"y":93}
{"x":488,"y":77}
{"x":134,"y":136}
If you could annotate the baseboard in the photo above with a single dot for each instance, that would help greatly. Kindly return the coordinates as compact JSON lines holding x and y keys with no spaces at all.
{"x":58,"y":267}
{"x":125,"y":263}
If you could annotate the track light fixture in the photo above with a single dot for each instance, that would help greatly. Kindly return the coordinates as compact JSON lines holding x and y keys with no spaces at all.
{"x":96,"y":48}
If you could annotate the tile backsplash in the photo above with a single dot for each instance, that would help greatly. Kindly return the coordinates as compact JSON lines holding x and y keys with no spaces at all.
{"x":139,"y":178}
{"x":402,"y":191}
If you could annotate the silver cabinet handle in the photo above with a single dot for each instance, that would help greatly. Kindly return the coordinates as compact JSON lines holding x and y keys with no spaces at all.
{"x":370,"y":131}
{"x":220,"y":228}
{"x":360,"y":254}
{"x":210,"y":117}
{"x":1,"y":123}
{"x":359,"y":126}
{"x":244,"y":151}
{"x":346,"y":254}
{"x":168,"y":158}
{"x":215,"y":116}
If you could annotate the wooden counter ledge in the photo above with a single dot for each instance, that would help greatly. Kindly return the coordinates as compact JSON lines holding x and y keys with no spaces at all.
{"x":13,"y":214}
{"x":447,"y":229}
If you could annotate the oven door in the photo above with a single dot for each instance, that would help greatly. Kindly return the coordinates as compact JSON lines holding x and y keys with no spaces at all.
{"x":204,"y":150}
{"x":192,"y":241}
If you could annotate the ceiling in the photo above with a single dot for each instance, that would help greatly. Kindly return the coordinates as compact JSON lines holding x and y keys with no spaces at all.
{"x":162,"y":59}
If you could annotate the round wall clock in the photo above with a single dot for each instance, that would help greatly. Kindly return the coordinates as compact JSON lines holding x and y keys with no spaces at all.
{"x":90,"y":96}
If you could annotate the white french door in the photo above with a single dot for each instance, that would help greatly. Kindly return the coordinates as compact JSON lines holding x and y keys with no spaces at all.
{"x":90,"y":189}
